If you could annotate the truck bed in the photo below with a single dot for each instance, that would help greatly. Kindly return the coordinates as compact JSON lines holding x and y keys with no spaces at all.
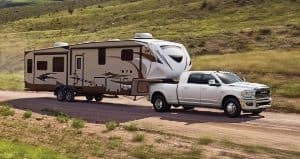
{"x":169,"y":89}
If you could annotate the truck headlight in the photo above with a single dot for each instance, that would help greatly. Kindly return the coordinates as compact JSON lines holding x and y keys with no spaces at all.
{"x":248,"y":94}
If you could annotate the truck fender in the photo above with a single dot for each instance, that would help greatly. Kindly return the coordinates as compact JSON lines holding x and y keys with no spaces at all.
{"x":228,"y":97}
{"x":156,"y":93}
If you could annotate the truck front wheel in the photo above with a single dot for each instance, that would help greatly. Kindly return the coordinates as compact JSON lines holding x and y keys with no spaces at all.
{"x":232,"y":107}
{"x":160,"y":104}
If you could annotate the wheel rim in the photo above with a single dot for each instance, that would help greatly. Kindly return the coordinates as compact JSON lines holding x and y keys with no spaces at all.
{"x":158,"y":103}
{"x":231,"y":108}
{"x":69,"y":96}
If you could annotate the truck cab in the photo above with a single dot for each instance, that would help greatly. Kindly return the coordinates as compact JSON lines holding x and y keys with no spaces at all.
{"x":212,"y":89}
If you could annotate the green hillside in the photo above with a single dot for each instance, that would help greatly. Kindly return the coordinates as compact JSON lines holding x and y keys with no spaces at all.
{"x":204,"y":26}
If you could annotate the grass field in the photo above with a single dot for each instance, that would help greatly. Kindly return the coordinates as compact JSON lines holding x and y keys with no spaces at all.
{"x":11,"y":81}
{"x":18,"y":150}
{"x":259,"y":62}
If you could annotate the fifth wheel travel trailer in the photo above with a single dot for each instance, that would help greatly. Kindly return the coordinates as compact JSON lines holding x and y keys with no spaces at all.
{"x":115,"y":67}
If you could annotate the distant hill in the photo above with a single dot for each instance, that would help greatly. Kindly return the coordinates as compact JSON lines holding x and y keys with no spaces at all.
{"x":12,"y":10}
{"x":18,"y":3}
{"x":204,"y":26}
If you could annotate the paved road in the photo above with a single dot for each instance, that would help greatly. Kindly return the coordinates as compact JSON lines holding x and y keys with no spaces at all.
{"x":271,"y":129}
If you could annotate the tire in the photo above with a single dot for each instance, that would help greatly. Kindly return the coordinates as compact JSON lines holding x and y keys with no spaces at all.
{"x":89,"y":98}
{"x":61,"y":94}
{"x":160,"y":104}
{"x":257,"y":112}
{"x":98,"y":98}
{"x":70,"y":95}
{"x":186,"y":108}
{"x":232,"y":107}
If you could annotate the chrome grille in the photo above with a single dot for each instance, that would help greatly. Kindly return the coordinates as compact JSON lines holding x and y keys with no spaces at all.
{"x":263,"y":93}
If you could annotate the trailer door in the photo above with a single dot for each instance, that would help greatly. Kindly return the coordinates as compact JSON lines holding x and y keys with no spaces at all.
{"x":79,"y":68}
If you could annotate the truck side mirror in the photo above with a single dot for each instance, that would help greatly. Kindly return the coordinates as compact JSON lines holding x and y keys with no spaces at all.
{"x":213,"y":82}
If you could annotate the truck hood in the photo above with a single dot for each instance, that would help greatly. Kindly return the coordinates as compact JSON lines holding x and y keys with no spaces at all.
{"x":248,"y":85}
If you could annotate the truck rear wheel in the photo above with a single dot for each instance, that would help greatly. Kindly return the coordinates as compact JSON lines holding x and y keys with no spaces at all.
{"x":160,"y":104}
{"x":61,"y":94}
{"x":232,"y":107}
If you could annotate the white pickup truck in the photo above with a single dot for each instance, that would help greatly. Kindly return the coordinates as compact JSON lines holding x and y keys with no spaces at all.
{"x":213,"y":89}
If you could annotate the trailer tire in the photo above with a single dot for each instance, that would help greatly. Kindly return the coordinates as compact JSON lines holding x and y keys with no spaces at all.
{"x":61,"y":94}
{"x":70,"y":95}
{"x":89,"y":98}
{"x":99,"y":97}
{"x":160,"y":104}
{"x":232,"y":107}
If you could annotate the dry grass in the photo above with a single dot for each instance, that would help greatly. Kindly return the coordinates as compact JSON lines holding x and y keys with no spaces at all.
{"x":261,"y":62}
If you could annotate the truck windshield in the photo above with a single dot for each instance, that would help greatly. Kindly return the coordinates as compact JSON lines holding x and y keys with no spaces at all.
{"x":228,"y":78}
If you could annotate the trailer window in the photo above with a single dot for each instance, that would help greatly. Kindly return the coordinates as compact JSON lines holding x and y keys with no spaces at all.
{"x":78,"y":63}
{"x":127,"y":55}
{"x":58,"y":64}
{"x":29,"y":66}
{"x":102,"y":56}
{"x":42,"y":65}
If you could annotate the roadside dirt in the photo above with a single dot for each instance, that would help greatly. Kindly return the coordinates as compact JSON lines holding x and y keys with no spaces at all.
{"x":281,"y":131}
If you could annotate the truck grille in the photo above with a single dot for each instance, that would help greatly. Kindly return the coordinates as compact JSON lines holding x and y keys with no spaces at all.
{"x":263,"y":93}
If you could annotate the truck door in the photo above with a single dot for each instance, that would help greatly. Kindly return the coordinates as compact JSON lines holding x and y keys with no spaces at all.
{"x":78,"y":72}
{"x":189,"y":92}
{"x":209,"y":94}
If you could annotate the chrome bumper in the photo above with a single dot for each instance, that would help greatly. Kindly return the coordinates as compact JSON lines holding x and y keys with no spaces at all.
{"x":254,"y":104}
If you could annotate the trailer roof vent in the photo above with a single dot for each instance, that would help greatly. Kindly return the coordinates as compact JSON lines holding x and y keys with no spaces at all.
{"x":143,"y":36}
{"x":60,"y":44}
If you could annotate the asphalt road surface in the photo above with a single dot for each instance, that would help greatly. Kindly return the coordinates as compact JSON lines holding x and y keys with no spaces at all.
{"x":275,"y":130}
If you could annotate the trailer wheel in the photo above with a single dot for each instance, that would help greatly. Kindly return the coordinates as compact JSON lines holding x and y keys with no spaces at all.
{"x":70,"y":95}
{"x":99,"y":97}
{"x":232,"y":107}
{"x":89,"y":98}
{"x":61,"y":94}
{"x":160,"y":104}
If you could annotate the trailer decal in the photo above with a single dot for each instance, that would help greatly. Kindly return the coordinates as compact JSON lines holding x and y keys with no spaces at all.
{"x":44,"y":77}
